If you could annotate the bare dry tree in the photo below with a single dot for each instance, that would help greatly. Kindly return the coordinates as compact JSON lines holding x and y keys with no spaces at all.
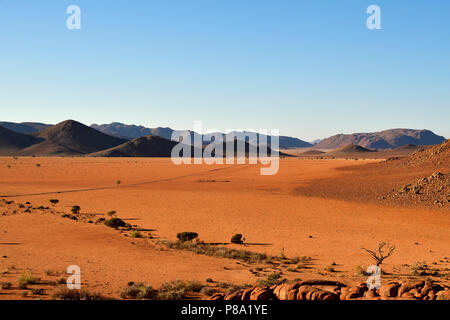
{"x":385,"y":250}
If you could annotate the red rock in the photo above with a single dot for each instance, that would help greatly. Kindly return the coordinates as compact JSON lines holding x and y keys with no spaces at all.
{"x":233,"y":296}
{"x":281,"y":292}
{"x":407,"y":286}
{"x":246,"y":294}
{"x":292,"y":294}
{"x":263,"y":293}
{"x":443,"y":294}
{"x":216,"y":296}
{"x":389,"y":290}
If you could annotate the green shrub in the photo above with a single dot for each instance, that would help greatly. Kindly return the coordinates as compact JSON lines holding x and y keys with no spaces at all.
{"x":76,"y":209}
{"x":27,"y":278}
{"x":135,"y":234}
{"x":187,"y":236}
{"x":110,"y":213}
{"x":237,"y":239}
{"x":115,"y":223}
{"x":272,"y":279}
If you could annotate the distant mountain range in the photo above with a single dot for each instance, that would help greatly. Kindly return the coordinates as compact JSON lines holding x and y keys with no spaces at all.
{"x":116,"y":139}
{"x":387,"y":139}
{"x":132,"y":131}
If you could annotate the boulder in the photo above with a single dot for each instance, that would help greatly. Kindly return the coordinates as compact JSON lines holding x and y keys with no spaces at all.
{"x":443,"y":294}
{"x":216,"y":296}
{"x":389,"y":290}
{"x":233,"y":296}
{"x":246,"y":294}
{"x":407,"y":286}
{"x":262,"y":293}
{"x":282,"y":291}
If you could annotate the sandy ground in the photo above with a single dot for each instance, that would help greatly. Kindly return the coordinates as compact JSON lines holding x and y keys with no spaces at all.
{"x":214,"y":201}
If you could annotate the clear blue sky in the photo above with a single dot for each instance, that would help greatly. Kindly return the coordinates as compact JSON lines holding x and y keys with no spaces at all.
{"x":309,"y":68}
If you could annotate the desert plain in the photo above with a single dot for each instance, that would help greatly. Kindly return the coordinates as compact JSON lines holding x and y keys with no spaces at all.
{"x":325,"y":229}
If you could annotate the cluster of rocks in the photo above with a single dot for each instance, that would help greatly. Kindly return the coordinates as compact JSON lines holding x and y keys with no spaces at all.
{"x":331,"y":290}
{"x":434,"y":189}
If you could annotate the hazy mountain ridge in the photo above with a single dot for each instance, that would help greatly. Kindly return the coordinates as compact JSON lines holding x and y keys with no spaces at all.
{"x":387,"y":139}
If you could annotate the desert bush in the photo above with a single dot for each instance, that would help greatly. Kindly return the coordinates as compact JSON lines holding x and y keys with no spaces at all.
{"x":208,"y":291}
{"x":194,"y":286}
{"x":173,"y":290}
{"x":422,"y":269}
{"x":6,"y":285}
{"x":360,"y":271}
{"x":38,"y":292}
{"x":137,"y":291}
{"x":237,"y":239}
{"x":115,"y":223}
{"x":54,"y":201}
{"x":330,"y":268}
{"x":110,"y":213}
{"x":135,"y":234}
{"x":65,"y":293}
{"x":272,"y":279}
{"x":217,"y":251}
{"x":27,"y":278}
{"x":76,"y":209}
{"x":187,"y":236}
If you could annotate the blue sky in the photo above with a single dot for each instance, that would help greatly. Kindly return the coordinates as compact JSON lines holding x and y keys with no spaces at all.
{"x":308,"y":68}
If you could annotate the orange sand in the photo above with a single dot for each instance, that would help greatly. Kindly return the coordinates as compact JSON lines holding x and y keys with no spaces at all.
{"x":214,"y":201}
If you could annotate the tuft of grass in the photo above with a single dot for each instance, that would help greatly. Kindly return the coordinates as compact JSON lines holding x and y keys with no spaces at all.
{"x":330,"y":268}
{"x":136,"y":234}
{"x":194,"y":286}
{"x":65,"y":293}
{"x":137,"y":291}
{"x":208,"y":291}
{"x":27,"y":278}
{"x":173,"y":290}
{"x":272,"y":279}
{"x":216,"y":251}
{"x":360,"y":271}
{"x":6,"y":285}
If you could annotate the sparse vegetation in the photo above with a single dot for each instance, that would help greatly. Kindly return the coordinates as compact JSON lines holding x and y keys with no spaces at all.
{"x":194,"y":286}
{"x":115,"y":223}
{"x":54,"y":201}
{"x":136,"y":234}
{"x":110,"y":213}
{"x":65,"y":293}
{"x":187,"y":236}
{"x":173,"y":290}
{"x":208,"y":291}
{"x":27,"y":278}
{"x":237,"y":239}
{"x":385,"y":250}
{"x":75,"y":209}
{"x":272,"y":279}
{"x":216,"y":251}
{"x":6,"y":285}
{"x":137,"y":291}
